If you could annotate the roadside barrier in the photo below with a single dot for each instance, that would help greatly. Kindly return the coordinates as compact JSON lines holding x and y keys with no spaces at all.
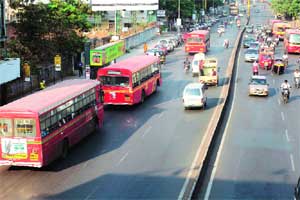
{"x":205,"y":150}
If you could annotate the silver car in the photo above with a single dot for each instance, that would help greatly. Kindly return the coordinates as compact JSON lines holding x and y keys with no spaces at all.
{"x":258,"y":86}
{"x":251,"y":55}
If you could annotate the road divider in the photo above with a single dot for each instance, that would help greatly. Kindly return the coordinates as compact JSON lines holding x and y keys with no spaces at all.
{"x":200,"y":165}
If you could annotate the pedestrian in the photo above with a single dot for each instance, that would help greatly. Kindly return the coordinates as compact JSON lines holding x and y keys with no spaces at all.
{"x":42,"y":84}
{"x":145,"y":47}
{"x":80,"y":65}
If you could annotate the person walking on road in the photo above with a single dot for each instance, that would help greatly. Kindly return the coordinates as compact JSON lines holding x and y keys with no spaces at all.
{"x":42,"y":84}
{"x":255,"y":68}
{"x":145,"y":47}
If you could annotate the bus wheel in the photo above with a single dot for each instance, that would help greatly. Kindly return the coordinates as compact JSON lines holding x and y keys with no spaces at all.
{"x":65,"y":149}
{"x":143,"y":96}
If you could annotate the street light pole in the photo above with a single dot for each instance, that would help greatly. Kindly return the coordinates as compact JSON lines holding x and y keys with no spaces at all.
{"x":178,"y":19}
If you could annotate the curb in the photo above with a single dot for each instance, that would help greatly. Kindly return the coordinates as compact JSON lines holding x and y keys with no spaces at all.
{"x":206,"y":147}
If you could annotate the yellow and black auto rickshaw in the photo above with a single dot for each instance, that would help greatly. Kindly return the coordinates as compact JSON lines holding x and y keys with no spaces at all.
{"x":278,"y":66}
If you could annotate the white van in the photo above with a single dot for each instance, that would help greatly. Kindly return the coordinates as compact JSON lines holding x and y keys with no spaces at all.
{"x":194,"y":95}
{"x":195,"y":63}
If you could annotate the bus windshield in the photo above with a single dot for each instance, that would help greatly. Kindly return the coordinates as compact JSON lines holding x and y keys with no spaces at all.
{"x":294,"y":39}
{"x":115,"y":80}
{"x":194,"y":39}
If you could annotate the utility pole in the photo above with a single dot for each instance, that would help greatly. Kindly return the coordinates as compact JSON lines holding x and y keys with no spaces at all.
{"x":178,"y":22}
{"x":248,"y":8}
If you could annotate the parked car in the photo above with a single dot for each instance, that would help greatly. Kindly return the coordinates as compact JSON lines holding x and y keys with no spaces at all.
{"x":162,"y":48}
{"x":194,"y":95}
{"x":258,"y":86}
{"x":167,"y":45}
{"x":251,"y":55}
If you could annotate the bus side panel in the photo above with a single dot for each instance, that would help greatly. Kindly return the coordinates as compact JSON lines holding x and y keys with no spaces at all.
{"x":52,"y":148}
{"x":137,"y":96}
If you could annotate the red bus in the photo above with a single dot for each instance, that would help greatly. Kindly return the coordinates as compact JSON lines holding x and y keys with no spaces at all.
{"x":129,"y":81}
{"x":40,"y":127}
{"x":197,"y":41}
{"x":292,"y":41}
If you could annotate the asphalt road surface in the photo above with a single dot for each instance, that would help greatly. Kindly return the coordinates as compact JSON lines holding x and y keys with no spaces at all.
{"x":259,"y":155}
{"x":143,"y":151}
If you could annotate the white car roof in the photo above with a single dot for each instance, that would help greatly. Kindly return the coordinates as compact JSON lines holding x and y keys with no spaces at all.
{"x":194,"y":85}
{"x":258,"y":77}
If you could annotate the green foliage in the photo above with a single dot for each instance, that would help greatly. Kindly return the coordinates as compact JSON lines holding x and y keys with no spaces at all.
{"x":45,"y":30}
{"x":171,"y":7}
{"x":289,"y":8}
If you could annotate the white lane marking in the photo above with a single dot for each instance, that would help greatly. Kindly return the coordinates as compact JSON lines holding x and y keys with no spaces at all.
{"x":278,"y":100}
{"x":287,"y":135}
{"x":273,"y":81}
{"x":213,"y":174}
{"x":292,"y":162}
{"x":146,"y":131}
{"x":85,"y":164}
{"x":123,"y":158}
{"x":161,"y":114}
{"x":282,"y":116}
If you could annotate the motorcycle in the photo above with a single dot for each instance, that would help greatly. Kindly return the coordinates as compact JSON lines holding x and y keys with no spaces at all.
{"x":285,"y":96}
{"x":226,"y":44}
{"x":297,"y":82}
{"x":186,"y":67}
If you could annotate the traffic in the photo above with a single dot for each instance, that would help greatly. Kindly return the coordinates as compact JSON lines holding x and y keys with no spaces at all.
{"x":149,"y":111}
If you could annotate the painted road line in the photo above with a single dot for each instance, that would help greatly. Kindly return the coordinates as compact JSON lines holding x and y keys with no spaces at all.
{"x":282,"y":116}
{"x":273,"y":81}
{"x":278,"y":100}
{"x":123,"y":158}
{"x":287,"y":135}
{"x":160,"y":115}
{"x":213,"y":174}
{"x":292,"y":162}
{"x":146,"y":131}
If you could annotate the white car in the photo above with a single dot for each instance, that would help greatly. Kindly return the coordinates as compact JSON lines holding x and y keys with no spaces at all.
{"x":194,"y":95}
{"x":195,"y":63}
{"x":258,"y":86}
{"x":166,"y":44}
{"x":221,"y":28}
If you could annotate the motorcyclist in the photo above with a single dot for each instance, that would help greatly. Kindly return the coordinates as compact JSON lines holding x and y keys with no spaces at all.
{"x":226,"y":43}
{"x":187,"y":63}
{"x":285,"y":58}
{"x":297,"y":76}
{"x":255,"y":68}
{"x":285,"y":86}
{"x":298,"y":62}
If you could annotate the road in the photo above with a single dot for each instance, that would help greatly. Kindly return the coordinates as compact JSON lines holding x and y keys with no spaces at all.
{"x":259,"y":155}
{"x":144,"y":151}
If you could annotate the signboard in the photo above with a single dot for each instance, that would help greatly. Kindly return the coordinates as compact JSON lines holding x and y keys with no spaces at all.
{"x":112,"y":5}
{"x":161,"y":13}
{"x":14,"y":148}
{"x":57,"y":63}
{"x":26,"y":70}
{"x":87,"y":72}
{"x":178,"y":22}
{"x":107,"y":53}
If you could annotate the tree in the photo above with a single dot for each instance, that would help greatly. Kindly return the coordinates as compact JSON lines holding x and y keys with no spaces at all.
{"x":288,"y":8}
{"x":54,"y":28}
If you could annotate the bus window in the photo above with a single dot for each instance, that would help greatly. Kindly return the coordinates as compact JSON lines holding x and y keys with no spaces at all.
{"x":5,"y":127}
{"x":115,"y":81}
{"x":25,"y":127}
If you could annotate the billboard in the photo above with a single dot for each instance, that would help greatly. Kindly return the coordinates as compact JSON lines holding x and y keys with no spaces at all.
{"x":107,"y":53}
{"x":111,"y":5}
{"x":9,"y":69}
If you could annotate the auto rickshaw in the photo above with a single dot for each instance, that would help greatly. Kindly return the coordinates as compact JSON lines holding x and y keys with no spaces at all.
{"x":265,"y":60}
{"x":278,"y":66}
